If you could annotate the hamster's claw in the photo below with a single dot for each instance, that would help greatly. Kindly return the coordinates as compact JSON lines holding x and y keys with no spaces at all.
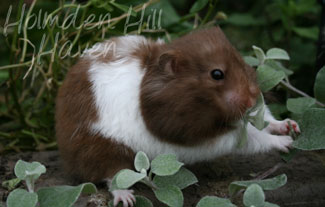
{"x":124,"y":196}
{"x":284,"y":143}
{"x":294,"y":125}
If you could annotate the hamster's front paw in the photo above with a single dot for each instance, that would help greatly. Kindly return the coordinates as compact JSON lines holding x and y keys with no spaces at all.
{"x":282,"y":127}
{"x":125,"y":196}
{"x":283,"y":143}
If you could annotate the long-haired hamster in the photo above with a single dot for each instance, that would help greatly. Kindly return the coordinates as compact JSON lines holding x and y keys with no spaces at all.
{"x":131,"y":94}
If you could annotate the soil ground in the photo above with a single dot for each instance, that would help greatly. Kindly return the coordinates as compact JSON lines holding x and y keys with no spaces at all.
{"x":305,"y":186}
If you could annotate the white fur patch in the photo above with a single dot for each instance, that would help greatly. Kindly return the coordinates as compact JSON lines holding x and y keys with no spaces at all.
{"x":116,"y":86}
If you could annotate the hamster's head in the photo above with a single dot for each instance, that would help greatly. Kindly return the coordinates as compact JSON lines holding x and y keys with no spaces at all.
{"x":198,"y":88}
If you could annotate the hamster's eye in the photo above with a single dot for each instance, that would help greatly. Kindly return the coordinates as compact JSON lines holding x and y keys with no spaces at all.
{"x":217,"y":74}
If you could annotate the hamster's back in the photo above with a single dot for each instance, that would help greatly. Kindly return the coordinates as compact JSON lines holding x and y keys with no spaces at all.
{"x":86,"y":154}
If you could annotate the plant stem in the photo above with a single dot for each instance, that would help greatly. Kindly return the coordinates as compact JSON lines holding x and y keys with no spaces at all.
{"x":136,"y":9}
{"x":149,"y":183}
{"x":22,"y":59}
{"x":210,"y":10}
{"x":15,"y":65}
{"x":30,"y":184}
{"x":292,"y":88}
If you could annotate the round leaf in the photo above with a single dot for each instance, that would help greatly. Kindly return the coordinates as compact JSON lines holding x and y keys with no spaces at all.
{"x":171,"y":195}
{"x":259,"y":54}
{"x":299,"y":105}
{"x":126,"y":178}
{"x":312,"y":130}
{"x":244,"y":19}
{"x":319,"y":87}
{"x":165,"y":164}
{"x":181,"y":179}
{"x":141,"y":161}
{"x":277,"y":53}
{"x":267,"y":204}
{"x":252,"y":61}
{"x":63,"y":196}
{"x":213,"y":201}
{"x":24,"y":169}
{"x":278,"y":66}
{"x":21,"y":198}
{"x":267,"y":184}
{"x":198,"y":5}
{"x":142,"y":201}
{"x":254,"y":196}
{"x":11,"y":184}
{"x":268,"y":77}
{"x":307,"y":32}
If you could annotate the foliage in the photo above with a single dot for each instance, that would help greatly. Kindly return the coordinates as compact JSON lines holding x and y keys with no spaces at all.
{"x":311,"y":110}
{"x":313,"y":130}
{"x":170,"y":177}
{"x":37,"y":53}
{"x":168,"y":184}
{"x":36,"y":57}
{"x":64,"y":196}
{"x":267,"y":184}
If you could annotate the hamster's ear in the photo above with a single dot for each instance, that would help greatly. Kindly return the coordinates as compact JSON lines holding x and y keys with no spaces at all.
{"x":169,"y":61}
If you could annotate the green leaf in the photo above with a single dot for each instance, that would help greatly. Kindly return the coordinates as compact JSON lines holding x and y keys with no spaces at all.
{"x":141,"y":161}
{"x":277,"y":53}
{"x":307,"y":32}
{"x":267,"y":184}
{"x":319,"y":88}
{"x":267,"y":204}
{"x":243,"y":134}
{"x":198,"y":5}
{"x":171,"y":195}
{"x":25,"y":169}
{"x":278,"y":66}
{"x":127,"y":178}
{"x":21,"y":198}
{"x":267,"y":77}
{"x":165,"y":164}
{"x":140,"y":201}
{"x":258,"y":119}
{"x":124,"y":8}
{"x":252,"y":61}
{"x":182,"y":179}
{"x":254,"y":196}
{"x":114,"y":182}
{"x":312,"y":135}
{"x":4,"y":75}
{"x":213,"y":201}
{"x":63,"y":196}
{"x":288,"y":156}
{"x":300,"y":105}
{"x":11,"y":184}
{"x":167,"y":10}
{"x":245,"y":20}
{"x":259,"y":54}
{"x":277,"y":109}
{"x":102,"y":4}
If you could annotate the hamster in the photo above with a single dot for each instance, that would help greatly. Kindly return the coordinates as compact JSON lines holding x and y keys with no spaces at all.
{"x":131,"y":94}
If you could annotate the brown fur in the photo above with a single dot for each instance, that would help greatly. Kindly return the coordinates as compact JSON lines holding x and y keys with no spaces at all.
{"x":86,"y":156}
{"x":180,"y":102}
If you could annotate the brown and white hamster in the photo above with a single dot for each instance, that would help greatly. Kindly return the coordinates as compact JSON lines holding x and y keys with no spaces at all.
{"x":131,"y":94}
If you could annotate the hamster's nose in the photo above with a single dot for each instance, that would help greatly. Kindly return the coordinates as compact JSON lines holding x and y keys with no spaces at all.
{"x":250,"y":102}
